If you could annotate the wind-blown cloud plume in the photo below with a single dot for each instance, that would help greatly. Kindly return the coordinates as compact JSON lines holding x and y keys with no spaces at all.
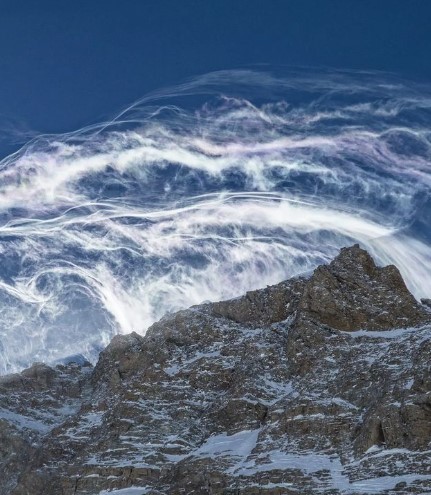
{"x":226,"y":183}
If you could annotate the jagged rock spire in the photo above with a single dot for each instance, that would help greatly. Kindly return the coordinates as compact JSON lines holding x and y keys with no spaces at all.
{"x":352,"y":293}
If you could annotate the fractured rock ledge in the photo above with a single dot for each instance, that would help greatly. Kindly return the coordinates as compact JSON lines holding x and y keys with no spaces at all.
{"x":318,"y":385}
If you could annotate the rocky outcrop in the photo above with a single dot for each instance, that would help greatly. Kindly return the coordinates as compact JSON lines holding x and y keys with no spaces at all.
{"x":264,"y":306}
{"x":314,"y":385}
{"x":353,"y":293}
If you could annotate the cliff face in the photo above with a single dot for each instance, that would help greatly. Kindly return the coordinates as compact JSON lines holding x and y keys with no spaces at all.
{"x":318,"y":385}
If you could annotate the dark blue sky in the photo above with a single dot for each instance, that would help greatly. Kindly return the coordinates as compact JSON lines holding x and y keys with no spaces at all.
{"x":65,"y":64}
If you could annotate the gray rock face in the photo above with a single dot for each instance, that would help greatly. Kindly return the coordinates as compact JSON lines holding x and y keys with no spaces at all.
{"x":319,"y":385}
{"x":353,"y":293}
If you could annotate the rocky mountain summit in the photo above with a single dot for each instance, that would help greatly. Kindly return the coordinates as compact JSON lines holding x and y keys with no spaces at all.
{"x":318,"y":385}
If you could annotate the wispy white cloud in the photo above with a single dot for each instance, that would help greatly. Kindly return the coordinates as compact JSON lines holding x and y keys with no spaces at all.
{"x":201,"y":192}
